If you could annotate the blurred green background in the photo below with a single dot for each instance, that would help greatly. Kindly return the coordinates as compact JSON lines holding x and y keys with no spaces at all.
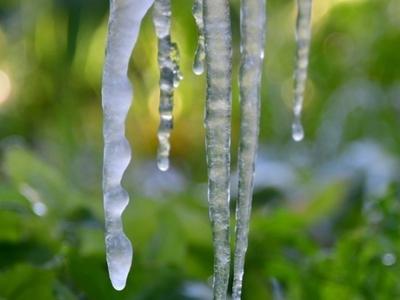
{"x":325,"y":222}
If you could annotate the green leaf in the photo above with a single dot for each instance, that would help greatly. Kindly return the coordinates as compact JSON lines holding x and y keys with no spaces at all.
{"x":26,"y":282}
{"x":168,"y":246}
{"x":50,"y":187}
{"x":90,"y":278}
{"x":12,"y":227}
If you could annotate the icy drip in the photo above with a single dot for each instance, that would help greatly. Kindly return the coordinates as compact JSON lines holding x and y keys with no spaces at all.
{"x":175,"y":57}
{"x":168,"y":62}
{"x":253,"y":21}
{"x":117,"y":93}
{"x":303,"y":35}
{"x":198,"y":65}
{"x":217,"y":122}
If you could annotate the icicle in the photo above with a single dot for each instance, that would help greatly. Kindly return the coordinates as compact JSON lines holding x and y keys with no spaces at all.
{"x":198,"y":65}
{"x":123,"y":30}
{"x":303,"y":35}
{"x":175,"y":57}
{"x":168,"y":62}
{"x":253,"y":21}
{"x":217,"y":121}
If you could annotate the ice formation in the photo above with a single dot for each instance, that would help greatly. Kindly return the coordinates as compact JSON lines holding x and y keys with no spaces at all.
{"x":217,"y":122}
{"x":253,"y":21}
{"x":303,"y":35}
{"x":123,"y":30}
{"x":214,"y":45}
{"x":168,"y":62}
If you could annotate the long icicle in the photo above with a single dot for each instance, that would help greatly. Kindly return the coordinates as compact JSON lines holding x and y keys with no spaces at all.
{"x":168,"y":62}
{"x":253,"y":21}
{"x":117,"y":93}
{"x":198,"y":64}
{"x":217,"y":122}
{"x":303,"y":36}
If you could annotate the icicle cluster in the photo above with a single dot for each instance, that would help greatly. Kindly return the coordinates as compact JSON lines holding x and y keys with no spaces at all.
{"x":214,"y":44}
{"x":253,"y":21}
{"x":123,"y":30}
{"x":303,"y":36}
{"x":168,"y":62}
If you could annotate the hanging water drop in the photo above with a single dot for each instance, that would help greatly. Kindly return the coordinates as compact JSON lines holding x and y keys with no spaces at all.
{"x":253,"y":21}
{"x":297,"y":129}
{"x":198,"y":64}
{"x":175,"y":57}
{"x":168,"y":62}
{"x":217,"y":122}
{"x":303,"y":35}
{"x":117,"y":93}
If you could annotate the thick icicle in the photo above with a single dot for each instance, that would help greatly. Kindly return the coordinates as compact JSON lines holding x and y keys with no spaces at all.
{"x":303,"y":35}
{"x":123,"y":30}
{"x":217,"y":121}
{"x":253,"y":21}
{"x":168,"y":62}
{"x":198,"y":64}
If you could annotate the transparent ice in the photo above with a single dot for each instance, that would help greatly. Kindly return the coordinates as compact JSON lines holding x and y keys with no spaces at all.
{"x":198,"y":64}
{"x":168,"y":62}
{"x":217,"y":122}
{"x":303,"y":35}
{"x":214,"y":45}
{"x":253,"y":21}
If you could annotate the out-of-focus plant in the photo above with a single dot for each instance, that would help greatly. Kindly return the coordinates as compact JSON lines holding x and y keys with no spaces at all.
{"x":325,"y":218}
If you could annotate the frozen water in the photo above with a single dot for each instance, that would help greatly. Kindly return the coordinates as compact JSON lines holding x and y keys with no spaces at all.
{"x":253,"y":21}
{"x":123,"y":30}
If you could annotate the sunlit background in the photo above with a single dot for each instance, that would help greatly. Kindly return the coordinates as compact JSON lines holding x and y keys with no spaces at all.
{"x":325,"y":221}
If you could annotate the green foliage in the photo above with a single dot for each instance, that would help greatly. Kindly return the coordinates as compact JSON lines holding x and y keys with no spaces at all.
{"x":317,"y":233}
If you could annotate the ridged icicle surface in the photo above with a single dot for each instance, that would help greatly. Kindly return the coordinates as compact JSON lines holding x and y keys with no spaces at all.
{"x":253,"y":21}
{"x":217,"y":121}
{"x":117,"y":93}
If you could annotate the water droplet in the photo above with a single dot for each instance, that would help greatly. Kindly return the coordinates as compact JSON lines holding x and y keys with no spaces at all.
{"x":197,"y":10}
{"x":163,"y":163}
{"x":297,"y":130}
{"x":198,"y":67}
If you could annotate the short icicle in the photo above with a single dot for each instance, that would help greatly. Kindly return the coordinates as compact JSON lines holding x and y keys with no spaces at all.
{"x":198,"y":64}
{"x":253,"y":21}
{"x":117,"y":93}
{"x":168,"y":62}
{"x":217,"y":122}
{"x":303,"y":36}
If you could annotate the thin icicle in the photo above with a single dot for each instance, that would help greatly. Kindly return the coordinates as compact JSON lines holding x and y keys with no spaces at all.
{"x":198,"y":64}
{"x":217,"y":121}
{"x":168,"y":62}
{"x":303,"y":35}
{"x":123,"y":30}
{"x":176,"y":57}
{"x":253,"y":21}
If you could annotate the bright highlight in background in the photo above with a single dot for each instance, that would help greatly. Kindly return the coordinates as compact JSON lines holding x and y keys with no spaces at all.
{"x":5,"y":86}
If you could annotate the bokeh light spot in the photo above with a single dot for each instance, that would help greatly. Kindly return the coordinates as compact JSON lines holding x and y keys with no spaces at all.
{"x":5,"y":87}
